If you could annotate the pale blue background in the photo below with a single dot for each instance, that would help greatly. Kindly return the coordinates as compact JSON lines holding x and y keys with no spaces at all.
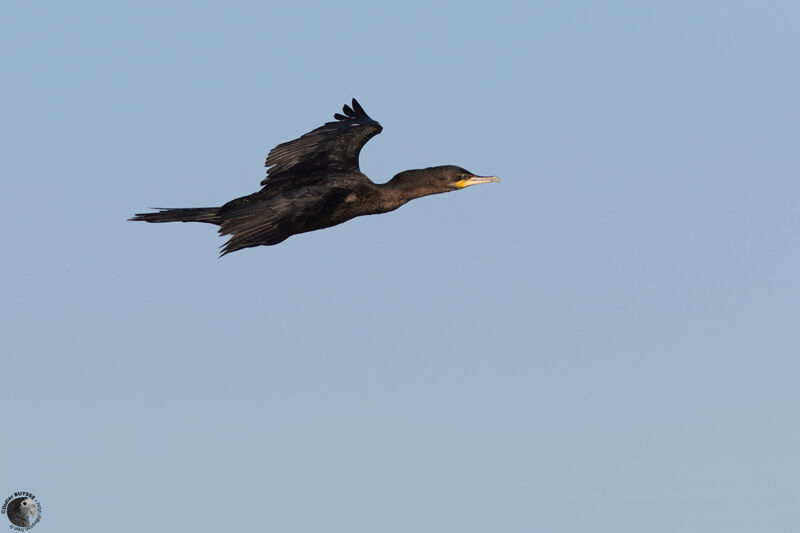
{"x":605,"y":341}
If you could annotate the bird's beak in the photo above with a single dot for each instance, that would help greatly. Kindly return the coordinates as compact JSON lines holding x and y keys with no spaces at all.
{"x":474,"y":180}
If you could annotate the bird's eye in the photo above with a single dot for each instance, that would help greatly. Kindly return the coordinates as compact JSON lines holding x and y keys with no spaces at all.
{"x":464,"y":177}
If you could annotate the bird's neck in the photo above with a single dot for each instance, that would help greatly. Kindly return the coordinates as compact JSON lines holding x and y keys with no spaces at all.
{"x":403,"y":188}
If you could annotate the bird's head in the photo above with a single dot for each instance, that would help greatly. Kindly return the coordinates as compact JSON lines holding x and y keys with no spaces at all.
{"x":433,"y":180}
{"x":451,"y":177}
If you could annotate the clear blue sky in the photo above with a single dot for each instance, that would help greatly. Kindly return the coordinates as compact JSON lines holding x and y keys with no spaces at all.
{"x":606,"y":341}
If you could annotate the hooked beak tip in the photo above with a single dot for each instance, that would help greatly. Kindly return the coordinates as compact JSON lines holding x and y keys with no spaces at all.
{"x":475,"y":180}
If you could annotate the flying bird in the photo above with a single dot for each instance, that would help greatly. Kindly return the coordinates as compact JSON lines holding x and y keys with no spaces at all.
{"x":314,"y":182}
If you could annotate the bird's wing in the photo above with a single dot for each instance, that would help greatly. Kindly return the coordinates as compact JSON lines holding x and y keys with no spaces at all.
{"x":332,"y":146}
{"x":268,"y":223}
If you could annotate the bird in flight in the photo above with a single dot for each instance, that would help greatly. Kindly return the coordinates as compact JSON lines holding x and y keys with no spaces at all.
{"x":314,"y":182}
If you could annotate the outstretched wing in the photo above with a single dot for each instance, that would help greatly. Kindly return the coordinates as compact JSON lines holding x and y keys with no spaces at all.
{"x":332,"y":146}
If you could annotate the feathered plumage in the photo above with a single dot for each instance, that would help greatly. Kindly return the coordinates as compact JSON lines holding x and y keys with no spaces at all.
{"x":314,"y":182}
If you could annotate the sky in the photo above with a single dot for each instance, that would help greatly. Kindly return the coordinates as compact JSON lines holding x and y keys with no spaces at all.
{"x":607,"y":340}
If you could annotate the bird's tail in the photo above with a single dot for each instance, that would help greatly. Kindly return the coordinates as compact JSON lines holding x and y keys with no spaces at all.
{"x":182,"y":214}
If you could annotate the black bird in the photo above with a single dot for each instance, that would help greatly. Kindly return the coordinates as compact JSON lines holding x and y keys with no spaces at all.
{"x":314,"y":182}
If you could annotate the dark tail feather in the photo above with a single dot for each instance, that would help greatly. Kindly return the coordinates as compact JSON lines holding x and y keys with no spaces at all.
{"x":183,"y":214}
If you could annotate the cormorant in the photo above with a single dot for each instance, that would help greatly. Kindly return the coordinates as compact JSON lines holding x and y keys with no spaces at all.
{"x":314,"y":182}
